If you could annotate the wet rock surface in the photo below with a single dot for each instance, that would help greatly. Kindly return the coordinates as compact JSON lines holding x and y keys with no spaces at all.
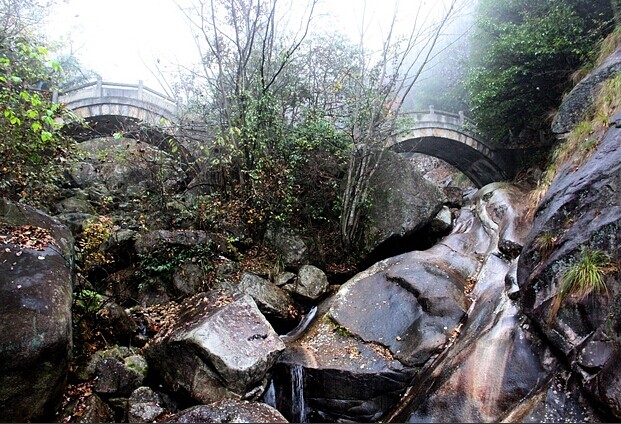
{"x":492,"y":362}
{"x":580,"y":211}
{"x":388,"y":326}
{"x":36,"y":260}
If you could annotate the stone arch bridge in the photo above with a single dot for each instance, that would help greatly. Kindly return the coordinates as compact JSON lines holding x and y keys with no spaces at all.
{"x":112,"y":107}
{"x":109,"y":107}
{"x":453,"y":138}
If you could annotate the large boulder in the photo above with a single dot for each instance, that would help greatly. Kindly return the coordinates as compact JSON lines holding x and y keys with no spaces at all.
{"x":36,"y":260}
{"x":579,"y":100}
{"x":410,"y":307}
{"x":310,"y":285}
{"x":120,"y":378}
{"x":219,"y":346}
{"x":229,"y":411}
{"x":290,"y":246}
{"x":395,"y":326}
{"x":275,"y":303}
{"x":356,"y":360}
{"x":401,"y":202}
{"x":580,"y":214}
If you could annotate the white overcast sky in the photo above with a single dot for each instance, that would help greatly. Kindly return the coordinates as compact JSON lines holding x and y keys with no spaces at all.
{"x":121,"y":39}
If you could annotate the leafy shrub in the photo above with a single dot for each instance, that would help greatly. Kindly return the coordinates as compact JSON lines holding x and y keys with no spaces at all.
{"x":33,"y":151}
{"x":89,"y":301}
{"x":158,"y":266}
{"x":91,"y":241}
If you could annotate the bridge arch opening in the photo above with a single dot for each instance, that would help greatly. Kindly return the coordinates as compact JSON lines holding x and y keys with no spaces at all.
{"x":471,"y":162}
{"x":448,"y":137}
{"x":133,"y":110}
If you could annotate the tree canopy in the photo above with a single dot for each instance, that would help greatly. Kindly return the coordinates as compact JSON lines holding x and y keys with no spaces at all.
{"x":33,"y":151}
{"x":524,"y":53}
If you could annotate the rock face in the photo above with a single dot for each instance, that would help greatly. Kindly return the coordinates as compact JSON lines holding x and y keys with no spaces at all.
{"x":581,"y":213}
{"x":36,"y":259}
{"x":391,"y":321}
{"x":401,"y":202}
{"x":578,"y":101}
{"x":292,"y":249}
{"x":220,"y":347}
{"x":124,"y":166}
{"x":148,"y":242}
{"x":495,"y":364}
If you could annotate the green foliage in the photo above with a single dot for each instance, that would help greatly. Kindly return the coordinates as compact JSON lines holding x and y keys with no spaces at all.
{"x":159,"y":265}
{"x":287,"y":171}
{"x":584,"y":276}
{"x":33,"y":151}
{"x":89,"y":301}
{"x":525,"y":52}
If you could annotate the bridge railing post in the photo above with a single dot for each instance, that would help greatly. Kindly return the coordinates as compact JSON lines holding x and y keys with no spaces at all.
{"x":99,"y":88}
{"x":140,"y":89}
{"x":462,"y":119}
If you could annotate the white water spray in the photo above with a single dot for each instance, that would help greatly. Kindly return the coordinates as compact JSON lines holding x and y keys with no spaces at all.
{"x":298,"y":408}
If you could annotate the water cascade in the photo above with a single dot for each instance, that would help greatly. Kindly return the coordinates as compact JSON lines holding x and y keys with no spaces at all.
{"x":269,"y":397}
{"x":301,"y":327}
{"x":298,"y":408}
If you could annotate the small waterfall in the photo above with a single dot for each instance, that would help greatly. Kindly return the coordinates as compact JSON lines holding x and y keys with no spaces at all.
{"x":301,"y":327}
{"x":298,"y":408}
{"x":269,"y":397}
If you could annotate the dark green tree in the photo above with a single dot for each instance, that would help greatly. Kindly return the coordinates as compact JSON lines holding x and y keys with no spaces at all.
{"x":524,"y":53}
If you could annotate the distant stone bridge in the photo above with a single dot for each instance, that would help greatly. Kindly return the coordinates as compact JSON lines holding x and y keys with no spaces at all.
{"x":109,"y":107}
{"x":452,"y":138}
{"x":112,"y":107}
{"x":99,"y":98}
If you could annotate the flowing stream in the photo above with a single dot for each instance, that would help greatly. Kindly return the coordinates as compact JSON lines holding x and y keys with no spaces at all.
{"x":298,"y":408}
{"x":301,"y":327}
{"x":269,"y":397}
